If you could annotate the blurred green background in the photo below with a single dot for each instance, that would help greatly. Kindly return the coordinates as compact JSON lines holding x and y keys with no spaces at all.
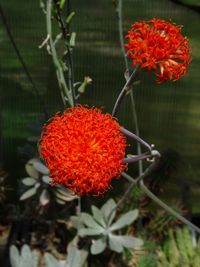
{"x":168,"y":114}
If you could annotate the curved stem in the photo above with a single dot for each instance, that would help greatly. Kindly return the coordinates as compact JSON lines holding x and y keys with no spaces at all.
{"x":137,"y":158}
{"x":123,"y":92}
{"x":136,"y":138}
{"x":65,"y":93}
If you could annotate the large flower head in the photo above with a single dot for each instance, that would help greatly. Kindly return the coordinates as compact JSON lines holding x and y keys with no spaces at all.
{"x":83,"y":149}
{"x":159,"y":45}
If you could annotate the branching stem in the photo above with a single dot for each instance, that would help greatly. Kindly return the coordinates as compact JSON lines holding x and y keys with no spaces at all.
{"x":66,"y":37}
{"x":65,"y":92}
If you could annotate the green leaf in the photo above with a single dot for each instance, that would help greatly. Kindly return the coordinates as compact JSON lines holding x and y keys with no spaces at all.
{"x":69,"y":18}
{"x":41,"y":167}
{"x":35,"y":258}
{"x":127,"y":241}
{"x":98,"y":216}
{"x":14,"y":256}
{"x":84,"y":84}
{"x":72,"y":39}
{"x":64,"y":65}
{"x":125,"y":220}
{"x":26,"y":256}
{"x":75,"y":256}
{"x":60,"y":201}
{"x":46,"y":179}
{"x":44,"y":198}
{"x":62,"y":3}
{"x":114,"y":243}
{"x":89,"y":221}
{"x":28,"y":193}
{"x":90,"y":232}
{"x":75,"y":220}
{"x":107,"y":208}
{"x":65,"y":197}
{"x":29,"y":181}
{"x":98,"y":246}
{"x":50,"y":260}
{"x":30,"y":169}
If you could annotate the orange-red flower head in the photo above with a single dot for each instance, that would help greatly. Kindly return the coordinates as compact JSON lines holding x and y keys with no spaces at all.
{"x":83,"y":149}
{"x":158,"y":45}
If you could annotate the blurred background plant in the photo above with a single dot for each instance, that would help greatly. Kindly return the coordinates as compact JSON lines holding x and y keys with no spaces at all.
{"x":178,"y":249}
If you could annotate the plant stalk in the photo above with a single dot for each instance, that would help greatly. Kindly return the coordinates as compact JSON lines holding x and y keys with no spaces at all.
{"x":65,"y":92}
{"x":134,"y":112}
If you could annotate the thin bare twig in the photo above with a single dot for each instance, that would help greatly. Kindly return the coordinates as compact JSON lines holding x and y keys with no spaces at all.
{"x":123,"y":92}
{"x":140,"y":182}
{"x":134,"y":182}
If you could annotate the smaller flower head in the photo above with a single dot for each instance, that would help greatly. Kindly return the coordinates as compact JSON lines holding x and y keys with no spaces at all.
{"x":158,"y":45}
{"x":83,"y":149}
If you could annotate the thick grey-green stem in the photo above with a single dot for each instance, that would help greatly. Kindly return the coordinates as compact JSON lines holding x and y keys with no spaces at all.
{"x":66,"y":93}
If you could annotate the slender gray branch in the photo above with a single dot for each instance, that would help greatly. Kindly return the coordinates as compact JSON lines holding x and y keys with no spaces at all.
{"x":139,"y":181}
{"x":134,"y":182}
{"x":124,"y":91}
{"x":133,"y":107}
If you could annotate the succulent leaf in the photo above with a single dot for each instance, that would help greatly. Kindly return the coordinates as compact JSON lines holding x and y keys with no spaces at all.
{"x":98,"y":246}
{"x":30,"y":169}
{"x":90,"y":232}
{"x":124,"y":220}
{"x":41,"y":168}
{"x":50,"y":260}
{"x":115,"y":244}
{"x":44,"y":197}
{"x":46,"y":179}
{"x":98,"y":216}
{"x":128,"y":241}
{"x":28,"y":193}
{"x":75,"y":256}
{"x":29,"y":181}
{"x":107,"y":208}
{"x":88,"y":220}
{"x":14,"y":256}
